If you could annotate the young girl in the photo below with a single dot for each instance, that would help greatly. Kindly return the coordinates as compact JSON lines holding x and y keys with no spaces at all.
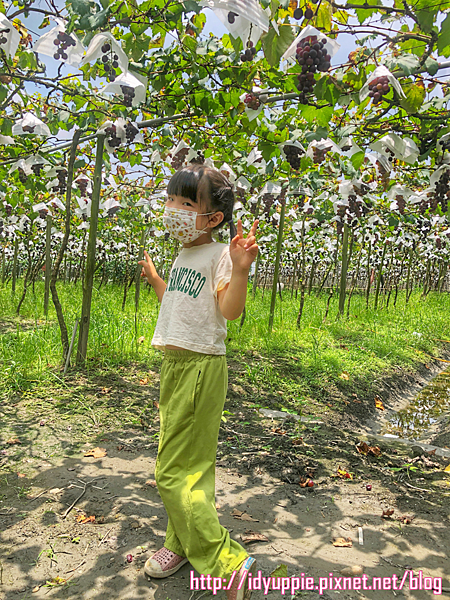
{"x":207,"y":286}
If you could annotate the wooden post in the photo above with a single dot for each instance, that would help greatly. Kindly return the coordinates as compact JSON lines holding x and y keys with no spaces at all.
{"x":277,"y":258}
{"x":14,"y":272}
{"x":48,"y":263}
{"x":137,"y":279}
{"x":90,"y":259}
{"x":344,"y":268}
{"x":3,"y":264}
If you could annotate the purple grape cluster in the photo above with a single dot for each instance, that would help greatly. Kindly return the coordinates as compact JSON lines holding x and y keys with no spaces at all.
{"x":298,"y":12}
{"x":63,"y":41}
{"x":61,"y":174}
{"x":443,"y":190}
{"x":82,"y":186}
{"x":267,"y":200}
{"x":3,"y":38}
{"x":293,"y":155}
{"x":249,"y":53}
{"x":232,"y":17}
{"x":378,"y":88}
{"x":401,"y":203}
{"x":110,"y":62}
{"x":179,"y":158}
{"x":131,"y":132}
{"x":43,"y":213}
{"x":312,"y":56}
{"x":252,"y":101}
{"x":28,"y":128}
{"x":113,"y":140}
{"x":22,"y":175}
{"x":128,"y":95}
{"x":37,"y":169}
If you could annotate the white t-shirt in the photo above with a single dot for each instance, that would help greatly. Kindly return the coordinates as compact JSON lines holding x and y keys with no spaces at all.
{"x":189,"y":316}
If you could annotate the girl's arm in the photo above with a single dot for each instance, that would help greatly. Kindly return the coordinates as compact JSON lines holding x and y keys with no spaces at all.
{"x":149,"y":271}
{"x":243,"y":252}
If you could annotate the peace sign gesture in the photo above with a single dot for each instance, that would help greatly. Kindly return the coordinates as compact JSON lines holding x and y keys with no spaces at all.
{"x":243,"y":251}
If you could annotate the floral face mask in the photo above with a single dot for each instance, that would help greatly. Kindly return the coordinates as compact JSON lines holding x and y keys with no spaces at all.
{"x":181,"y":224}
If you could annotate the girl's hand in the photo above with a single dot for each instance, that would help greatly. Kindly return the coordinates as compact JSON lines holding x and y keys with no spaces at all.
{"x":148,"y":268}
{"x":244,"y":251}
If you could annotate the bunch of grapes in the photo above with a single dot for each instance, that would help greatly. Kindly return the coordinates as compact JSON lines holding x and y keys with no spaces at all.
{"x":179,"y":158}
{"x":252,"y":101}
{"x":439,"y":243}
{"x":113,"y":140}
{"x":131,"y":132}
{"x":267,"y":200}
{"x":274,"y":222}
{"x":391,"y":155}
{"x":231,"y":17}
{"x":401,"y":203}
{"x":82,"y":185}
{"x":199,"y":159}
{"x":62,"y":185}
{"x":378,"y":88}
{"x":293,"y":156}
{"x":3,"y":38}
{"x":43,"y":213}
{"x":63,"y":41}
{"x":22,"y":175}
{"x":312,"y":56}
{"x":8,"y":210}
{"x":319,"y":155}
{"x":37,"y":169}
{"x":249,"y":52}
{"x":355,"y":206}
{"x":28,"y":128}
{"x":443,"y":190}
{"x":128,"y":95}
{"x":110,"y":62}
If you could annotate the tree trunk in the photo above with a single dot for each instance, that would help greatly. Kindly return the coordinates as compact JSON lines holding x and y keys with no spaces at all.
{"x":62,"y":249}
{"x":90,"y":259}
{"x":282,"y":199}
{"x":48,"y":263}
{"x":380,"y":273}
{"x":344,"y":268}
{"x":14,"y":269}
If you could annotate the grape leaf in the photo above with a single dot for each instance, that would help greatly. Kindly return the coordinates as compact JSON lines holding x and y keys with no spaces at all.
{"x":431,"y":65}
{"x":357,"y":159}
{"x":443,"y":43}
{"x":274,"y":45}
{"x":363,"y":13}
{"x":408,"y":63}
{"x":415,"y":95}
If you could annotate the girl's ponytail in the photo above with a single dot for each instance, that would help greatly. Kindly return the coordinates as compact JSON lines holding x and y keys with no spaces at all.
{"x":233,"y":230}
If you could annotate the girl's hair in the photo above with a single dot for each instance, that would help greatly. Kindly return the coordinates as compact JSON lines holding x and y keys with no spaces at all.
{"x":209,"y":187}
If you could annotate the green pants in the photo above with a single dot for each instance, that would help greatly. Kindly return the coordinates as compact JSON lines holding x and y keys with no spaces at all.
{"x":192,"y":397}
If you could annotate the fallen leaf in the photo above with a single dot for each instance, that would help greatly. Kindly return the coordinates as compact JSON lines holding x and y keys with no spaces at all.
{"x":447,"y":468}
{"x":362,"y":448}
{"x":280,"y":571}
{"x":379,"y":403}
{"x":56,"y":581}
{"x":344,"y":474}
{"x":21,"y":475}
{"x":151,"y":482}
{"x":387,"y":513}
{"x":12,"y":441}
{"x":247,"y":517}
{"x":141,"y":339}
{"x":96,"y":452}
{"x":405,"y":520}
{"x":236,"y":512}
{"x":135,"y":525}
{"x":352,"y":571}
{"x":217,"y":506}
{"x":83,"y":519}
{"x":35,"y":589}
{"x":431,"y":452}
{"x":121,"y":447}
{"x":105,"y":390}
{"x":344,"y":375}
{"x":156,"y":404}
{"x":342,"y":542}
{"x":297,"y":441}
{"x":248,"y":537}
{"x":143,"y":381}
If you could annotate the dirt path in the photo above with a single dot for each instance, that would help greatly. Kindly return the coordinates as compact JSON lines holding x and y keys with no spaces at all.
{"x":261,"y":463}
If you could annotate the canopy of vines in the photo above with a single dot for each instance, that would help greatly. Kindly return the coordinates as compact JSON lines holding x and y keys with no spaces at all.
{"x":348,"y":163}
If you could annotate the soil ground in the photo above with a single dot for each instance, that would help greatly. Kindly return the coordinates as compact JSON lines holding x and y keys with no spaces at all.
{"x":56,"y":544}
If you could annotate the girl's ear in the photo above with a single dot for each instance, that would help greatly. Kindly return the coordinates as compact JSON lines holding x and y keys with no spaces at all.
{"x":217,"y":218}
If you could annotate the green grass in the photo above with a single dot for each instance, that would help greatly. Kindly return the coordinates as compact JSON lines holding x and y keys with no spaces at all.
{"x":319,"y":359}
